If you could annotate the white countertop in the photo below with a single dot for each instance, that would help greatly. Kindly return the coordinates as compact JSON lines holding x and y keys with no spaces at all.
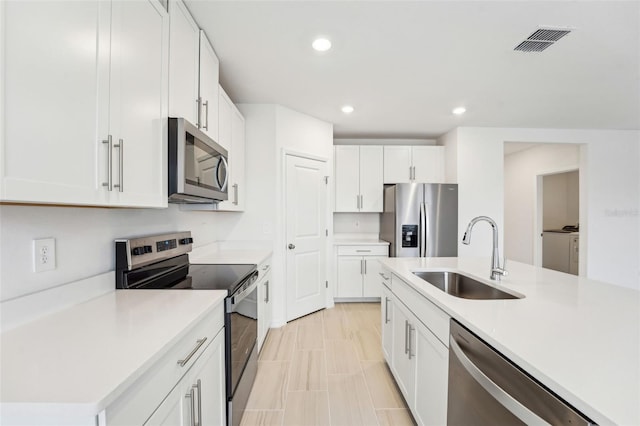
{"x":213,"y":254}
{"x":85,"y":356}
{"x":579,"y":337}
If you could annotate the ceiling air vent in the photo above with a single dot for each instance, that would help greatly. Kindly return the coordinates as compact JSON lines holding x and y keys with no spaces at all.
{"x":542,"y":38}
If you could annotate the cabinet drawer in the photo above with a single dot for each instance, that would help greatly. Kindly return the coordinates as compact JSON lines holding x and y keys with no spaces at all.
{"x":429,"y":314}
{"x":363,"y":250}
{"x":137,"y":403}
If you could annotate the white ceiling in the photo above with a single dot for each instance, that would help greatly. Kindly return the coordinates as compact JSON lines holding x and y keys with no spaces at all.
{"x":404,"y":65}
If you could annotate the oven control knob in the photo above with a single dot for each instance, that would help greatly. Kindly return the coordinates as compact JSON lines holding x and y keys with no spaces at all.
{"x":186,"y":241}
{"x":137,"y":251}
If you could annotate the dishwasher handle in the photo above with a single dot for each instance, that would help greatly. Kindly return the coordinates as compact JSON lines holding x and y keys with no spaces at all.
{"x":499,"y":394}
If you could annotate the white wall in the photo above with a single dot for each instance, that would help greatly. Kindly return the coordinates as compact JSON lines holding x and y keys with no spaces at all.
{"x":520,"y":171}
{"x":609,"y":192}
{"x":84,"y":240}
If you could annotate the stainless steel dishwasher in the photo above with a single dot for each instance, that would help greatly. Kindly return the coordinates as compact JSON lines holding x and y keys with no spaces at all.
{"x":487,"y":389}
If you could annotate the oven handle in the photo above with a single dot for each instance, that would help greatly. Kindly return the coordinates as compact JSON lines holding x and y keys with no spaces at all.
{"x":239,"y":297}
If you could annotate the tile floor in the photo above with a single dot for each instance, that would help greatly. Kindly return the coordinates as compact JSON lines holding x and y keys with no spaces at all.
{"x":326,"y":369}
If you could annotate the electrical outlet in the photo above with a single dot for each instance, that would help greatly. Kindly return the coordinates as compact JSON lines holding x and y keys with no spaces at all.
{"x":44,"y":255}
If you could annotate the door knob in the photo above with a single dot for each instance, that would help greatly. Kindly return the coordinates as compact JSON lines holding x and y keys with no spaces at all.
{"x":292,"y":246}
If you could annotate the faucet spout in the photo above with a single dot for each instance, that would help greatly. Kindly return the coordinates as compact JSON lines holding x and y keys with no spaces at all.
{"x":496,"y":269}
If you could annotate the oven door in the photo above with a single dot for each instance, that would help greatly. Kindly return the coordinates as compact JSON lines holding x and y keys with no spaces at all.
{"x":242,"y":332}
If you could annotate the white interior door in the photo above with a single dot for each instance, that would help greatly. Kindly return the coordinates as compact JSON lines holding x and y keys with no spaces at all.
{"x":305,"y":224}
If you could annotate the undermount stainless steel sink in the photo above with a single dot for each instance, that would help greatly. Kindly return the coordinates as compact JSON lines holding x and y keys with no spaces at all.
{"x":462,"y":286}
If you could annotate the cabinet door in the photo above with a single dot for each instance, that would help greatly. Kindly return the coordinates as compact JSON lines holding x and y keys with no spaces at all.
{"x":231,"y":136}
{"x":397,"y":164}
{"x":432,"y":367}
{"x":209,"y":72}
{"x":371,"y":182}
{"x":387,"y":324}
{"x":372,"y":286}
{"x":139,"y":102}
{"x":350,"y":270}
{"x":264,"y":308}
{"x":184,"y":52}
{"x":347,"y":177}
{"x":403,"y":366}
{"x":175,"y":408}
{"x":209,"y":374}
{"x":54,"y":60}
{"x":428,"y":163}
{"x":225,"y":114}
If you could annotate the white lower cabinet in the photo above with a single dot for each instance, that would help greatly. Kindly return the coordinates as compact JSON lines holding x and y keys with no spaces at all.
{"x":265,"y":301}
{"x":199,"y":398}
{"x":358,"y":271}
{"x":418,"y":360}
{"x":387,"y":323}
{"x":186,"y":386}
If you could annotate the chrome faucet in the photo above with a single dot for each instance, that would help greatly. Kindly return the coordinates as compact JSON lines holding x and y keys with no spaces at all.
{"x":496,"y":270}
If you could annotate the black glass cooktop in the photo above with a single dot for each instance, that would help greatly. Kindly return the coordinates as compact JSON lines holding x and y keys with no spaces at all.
{"x":177,"y":273}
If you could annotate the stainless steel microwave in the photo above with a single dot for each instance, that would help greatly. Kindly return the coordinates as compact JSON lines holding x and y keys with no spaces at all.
{"x":198,"y":169}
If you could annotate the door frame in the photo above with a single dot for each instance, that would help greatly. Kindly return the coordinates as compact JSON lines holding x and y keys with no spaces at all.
{"x":538,"y":211}
{"x":281,"y":240}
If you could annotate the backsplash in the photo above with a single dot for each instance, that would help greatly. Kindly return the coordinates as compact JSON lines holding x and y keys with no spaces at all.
{"x":356,"y":223}
{"x":84,"y":239}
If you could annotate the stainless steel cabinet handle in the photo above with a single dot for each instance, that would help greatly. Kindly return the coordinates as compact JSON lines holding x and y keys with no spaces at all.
{"x":192,"y":396}
{"x":199,"y":343}
{"x":235,"y":193}
{"x":383,"y":276}
{"x":365,"y":266}
{"x":499,"y":394}
{"x":120,"y":146}
{"x":386,"y":310}
{"x":199,"y":387}
{"x":199,"y":113}
{"x":206,"y":115}
{"x":266,"y":297}
{"x":291,"y":246}
{"x":358,"y":202}
{"x":109,"y":182}
{"x":361,"y":202}
{"x":411,"y":329}
{"x":361,"y":268}
{"x":406,"y":340}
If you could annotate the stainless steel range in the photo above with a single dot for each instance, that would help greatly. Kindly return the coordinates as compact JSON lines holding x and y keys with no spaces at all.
{"x":162,"y":262}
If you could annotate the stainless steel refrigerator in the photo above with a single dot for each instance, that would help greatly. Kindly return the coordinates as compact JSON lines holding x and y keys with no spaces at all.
{"x":420,"y":219}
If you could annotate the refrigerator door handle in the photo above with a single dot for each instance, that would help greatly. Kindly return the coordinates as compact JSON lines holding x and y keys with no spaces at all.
{"x":423,"y":231}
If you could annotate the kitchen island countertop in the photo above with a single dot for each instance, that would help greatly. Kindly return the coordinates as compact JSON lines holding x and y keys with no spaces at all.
{"x":579,"y":337}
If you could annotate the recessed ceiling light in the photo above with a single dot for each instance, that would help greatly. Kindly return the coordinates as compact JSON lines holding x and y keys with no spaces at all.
{"x":347,"y":109}
{"x":321,"y":44}
{"x":459,"y":110}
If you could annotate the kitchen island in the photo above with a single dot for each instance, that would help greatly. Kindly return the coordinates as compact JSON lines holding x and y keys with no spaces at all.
{"x":578,"y":337}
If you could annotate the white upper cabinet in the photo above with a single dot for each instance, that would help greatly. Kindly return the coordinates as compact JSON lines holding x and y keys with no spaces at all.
{"x":232,"y":137}
{"x":209,"y":73}
{"x":358,"y":178}
{"x":139,"y":103}
{"x":49,"y":149}
{"x":184,"y":62}
{"x":405,"y":164}
{"x":77,"y":81}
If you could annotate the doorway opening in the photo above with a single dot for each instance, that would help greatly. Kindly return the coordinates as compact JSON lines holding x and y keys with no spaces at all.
{"x":559,"y":202}
{"x":530,"y":210}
